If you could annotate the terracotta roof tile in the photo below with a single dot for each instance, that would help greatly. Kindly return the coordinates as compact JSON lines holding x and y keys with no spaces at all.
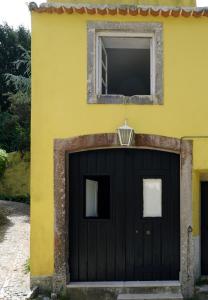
{"x":132,"y":10}
{"x":123,"y":11}
{"x":112,"y":11}
{"x":90,"y":11}
{"x":69,"y":10}
{"x":155,"y":12}
{"x":144,"y":11}
{"x":186,"y":13}
{"x":176,"y":12}
{"x":102,"y":11}
{"x":165,"y":12}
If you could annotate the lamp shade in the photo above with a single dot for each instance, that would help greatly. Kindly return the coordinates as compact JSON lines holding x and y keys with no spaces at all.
{"x":125,"y":134}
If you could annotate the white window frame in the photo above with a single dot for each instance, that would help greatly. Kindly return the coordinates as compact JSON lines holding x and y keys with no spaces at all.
{"x":115,"y":34}
{"x":99,"y":65}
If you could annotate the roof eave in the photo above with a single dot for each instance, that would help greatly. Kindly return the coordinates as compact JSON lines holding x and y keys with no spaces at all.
{"x":119,"y":9}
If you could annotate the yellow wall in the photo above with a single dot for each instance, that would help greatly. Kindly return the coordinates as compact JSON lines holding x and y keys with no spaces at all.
{"x":138,"y":2}
{"x":60,"y":109}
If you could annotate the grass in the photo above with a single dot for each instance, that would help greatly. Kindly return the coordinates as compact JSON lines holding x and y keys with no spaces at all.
{"x":202,"y":281}
{"x":16,"y":179}
{"x":26,"y":266}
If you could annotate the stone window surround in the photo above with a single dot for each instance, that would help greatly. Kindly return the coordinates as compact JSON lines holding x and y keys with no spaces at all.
{"x":154,"y":28}
{"x":62,"y":147}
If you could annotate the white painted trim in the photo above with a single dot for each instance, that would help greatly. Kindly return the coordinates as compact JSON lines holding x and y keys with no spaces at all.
{"x":98,"y":70}
{"x":104,"y":80}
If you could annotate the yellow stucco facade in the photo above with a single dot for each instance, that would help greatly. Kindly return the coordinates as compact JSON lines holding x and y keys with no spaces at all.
{"x":60,"y":109}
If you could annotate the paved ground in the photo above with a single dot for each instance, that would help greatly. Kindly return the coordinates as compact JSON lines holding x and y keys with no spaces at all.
{"x":14,"y":251}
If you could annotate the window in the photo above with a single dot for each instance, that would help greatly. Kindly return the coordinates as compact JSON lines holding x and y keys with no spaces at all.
{"x":125,"y":63}
{"x":97,"y":197}
{"x":91,"y":198}
{"x":152,"y":197}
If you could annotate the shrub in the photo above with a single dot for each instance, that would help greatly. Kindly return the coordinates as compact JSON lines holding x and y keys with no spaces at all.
{"x":16,"y":179}
{"x":3,"y":161}
{"x":10,"y":132}
{"x":19,"y":198}
{"x":3,"y":217}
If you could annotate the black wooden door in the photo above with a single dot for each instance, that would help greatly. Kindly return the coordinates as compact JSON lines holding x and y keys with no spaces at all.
{"x":117,"y":242}
{"x":204,"y":228}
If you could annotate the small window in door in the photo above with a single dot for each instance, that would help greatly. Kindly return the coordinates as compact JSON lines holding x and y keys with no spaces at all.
{"x":97,"y":197}
{"x":152,"y":197}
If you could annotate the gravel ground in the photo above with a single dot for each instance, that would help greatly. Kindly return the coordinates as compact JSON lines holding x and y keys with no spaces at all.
{"x":14,"y":251}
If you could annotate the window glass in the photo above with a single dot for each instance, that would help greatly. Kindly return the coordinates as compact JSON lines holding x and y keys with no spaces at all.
{"x":152,"y":197}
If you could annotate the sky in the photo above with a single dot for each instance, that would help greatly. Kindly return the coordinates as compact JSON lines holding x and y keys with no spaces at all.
{"x":15,"y":12}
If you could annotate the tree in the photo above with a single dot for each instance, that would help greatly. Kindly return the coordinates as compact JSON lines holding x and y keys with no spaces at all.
{"x":14,"y":88}
{"x":20,"y":98}
{"x":10,"y":132}
{"x":10,"y":40}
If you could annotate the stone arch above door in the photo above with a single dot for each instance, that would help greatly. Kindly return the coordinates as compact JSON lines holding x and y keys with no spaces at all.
{"x":110,"y":140}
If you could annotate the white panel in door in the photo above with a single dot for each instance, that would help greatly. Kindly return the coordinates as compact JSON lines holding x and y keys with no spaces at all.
{"x":152,"y":197}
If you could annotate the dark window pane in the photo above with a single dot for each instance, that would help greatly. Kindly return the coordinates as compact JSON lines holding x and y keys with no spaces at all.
{"x":128,"y":71}
{"x":97,"y":197}
{"x":103,"y":89}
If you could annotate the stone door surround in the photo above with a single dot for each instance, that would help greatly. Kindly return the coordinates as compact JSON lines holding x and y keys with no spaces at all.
{"x":62,"y":147}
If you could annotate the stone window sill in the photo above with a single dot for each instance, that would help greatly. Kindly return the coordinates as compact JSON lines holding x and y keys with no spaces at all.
{"x":121,"y":99}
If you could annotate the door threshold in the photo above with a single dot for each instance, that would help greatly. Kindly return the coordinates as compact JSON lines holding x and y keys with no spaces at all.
{"x":103,"y":284}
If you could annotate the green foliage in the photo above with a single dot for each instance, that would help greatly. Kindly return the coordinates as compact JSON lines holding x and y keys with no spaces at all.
{"x":15,"y":183}
{"x":27,"y":266}
{"x":15,"y":88}
{"x":21,"y":82}
{"x":3,"y":161}
{"x":20,"y":98}
{"x":10,"y":132}
{"x":20,"y":198}
{"x":10,"y":52}
{"x":3,"y":218}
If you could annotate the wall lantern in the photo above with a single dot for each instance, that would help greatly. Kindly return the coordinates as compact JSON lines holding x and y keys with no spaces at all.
{"x":125,"y":134}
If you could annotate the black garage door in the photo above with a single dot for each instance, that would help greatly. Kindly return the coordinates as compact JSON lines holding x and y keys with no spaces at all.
{"x":124,"y":215}
{"x":204,"y":228}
